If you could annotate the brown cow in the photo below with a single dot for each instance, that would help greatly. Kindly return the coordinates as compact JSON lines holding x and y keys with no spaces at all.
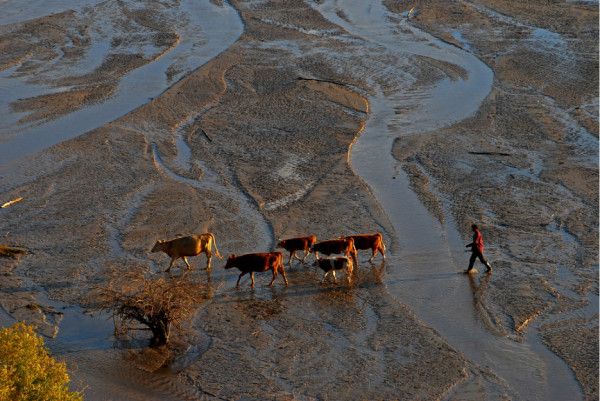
{"x":330,"y":265}
{"x":340,"y":246}
{"x":292,"y":245}
{"x":191,"y":245}
{"x":257,"y":262}
{"x":374,"y":242}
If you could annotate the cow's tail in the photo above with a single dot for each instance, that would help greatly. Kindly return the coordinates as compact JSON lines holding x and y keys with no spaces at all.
{"x":381,"y":240}
{"x":383,"y":250}
{"x":216,"y":249}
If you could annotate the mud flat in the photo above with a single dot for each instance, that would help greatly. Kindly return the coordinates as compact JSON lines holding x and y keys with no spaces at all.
{"x":254,"y":146}
{"x":102,"y":61}
{"x":438,"y":295}
{"x":525,"y":165}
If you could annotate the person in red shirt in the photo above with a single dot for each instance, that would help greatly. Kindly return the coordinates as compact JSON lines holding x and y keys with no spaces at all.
{"x":477,"y":249}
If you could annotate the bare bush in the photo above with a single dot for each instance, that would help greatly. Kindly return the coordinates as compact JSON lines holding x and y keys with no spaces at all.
{"x":157,"y":302}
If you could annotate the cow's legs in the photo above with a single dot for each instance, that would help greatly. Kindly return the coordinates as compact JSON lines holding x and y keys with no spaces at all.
{"x":374,"y":252}
{"x":379,"y":249}
{"x":274,"y":276}
{"x":349,"y":270}
{"x":317,"y":255}
{"x":208,"y":258}
{"x":284,"y":276}
{"x":292,"y":254}
{"x":306,"y":253}
{"x":187,"y":263}
{"x":324,"y":277}
{"x":296,"y":256}
{"x":170,"y":264}
{"x":252,"y":279}
{"x":334,"y":278}
{"x":239,"y":278}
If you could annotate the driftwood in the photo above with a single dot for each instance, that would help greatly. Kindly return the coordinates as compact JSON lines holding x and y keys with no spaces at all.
{"x":11,"y":252}
{"x":10,"y":203}
{"x":491,"y":153}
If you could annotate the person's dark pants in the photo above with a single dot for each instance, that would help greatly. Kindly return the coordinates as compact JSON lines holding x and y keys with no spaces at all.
{"x":476,"y":254}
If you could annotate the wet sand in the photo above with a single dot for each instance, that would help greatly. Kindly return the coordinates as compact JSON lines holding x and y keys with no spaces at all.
{"x":276,"y":137}
{"x":526,"y":167}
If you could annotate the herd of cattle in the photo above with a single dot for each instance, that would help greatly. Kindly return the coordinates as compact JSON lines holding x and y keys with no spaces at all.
{"x":264,"y":261}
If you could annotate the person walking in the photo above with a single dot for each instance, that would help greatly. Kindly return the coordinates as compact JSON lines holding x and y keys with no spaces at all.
{"x":477,"y":250}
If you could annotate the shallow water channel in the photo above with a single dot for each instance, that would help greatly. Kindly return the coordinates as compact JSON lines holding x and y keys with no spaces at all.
{"x":209,"y":30}
{"x":427,"y":257}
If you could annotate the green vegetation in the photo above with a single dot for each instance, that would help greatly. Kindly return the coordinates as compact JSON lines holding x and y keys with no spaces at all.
{"x":27,"y":371}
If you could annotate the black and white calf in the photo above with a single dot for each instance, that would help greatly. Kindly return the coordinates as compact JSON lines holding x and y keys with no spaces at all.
{"x":330,"y":265}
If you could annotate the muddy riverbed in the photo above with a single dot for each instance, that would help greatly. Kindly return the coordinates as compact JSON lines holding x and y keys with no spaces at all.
{"x":127,"y":122}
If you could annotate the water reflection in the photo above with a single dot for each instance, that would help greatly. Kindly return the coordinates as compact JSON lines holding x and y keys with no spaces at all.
{"x":478,"y":290}
{"x":378,"y":271}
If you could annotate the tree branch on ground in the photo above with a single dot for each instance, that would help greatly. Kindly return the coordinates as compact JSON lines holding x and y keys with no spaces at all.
{"x":11,"y":252}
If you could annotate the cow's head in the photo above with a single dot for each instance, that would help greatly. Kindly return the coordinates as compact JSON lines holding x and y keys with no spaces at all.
{"x":230,"y":261}
{"x":158,"y":246}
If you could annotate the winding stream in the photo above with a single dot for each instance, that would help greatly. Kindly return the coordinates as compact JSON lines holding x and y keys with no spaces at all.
{"x":220,"y":27}
{"x":423,"y":267}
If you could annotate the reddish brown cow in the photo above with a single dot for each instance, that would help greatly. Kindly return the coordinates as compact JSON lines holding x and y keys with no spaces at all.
{"x":330,"y":265}
{"x":374,"y":242}
{"x":340,"y":246}
{"x":292,"y":245}
{"x":257,"y":262}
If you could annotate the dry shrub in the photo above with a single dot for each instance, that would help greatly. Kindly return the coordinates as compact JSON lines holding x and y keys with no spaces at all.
{"x":156,"y":301}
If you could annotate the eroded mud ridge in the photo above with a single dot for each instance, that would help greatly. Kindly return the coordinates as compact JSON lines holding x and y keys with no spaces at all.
{"x":260,"y":143}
